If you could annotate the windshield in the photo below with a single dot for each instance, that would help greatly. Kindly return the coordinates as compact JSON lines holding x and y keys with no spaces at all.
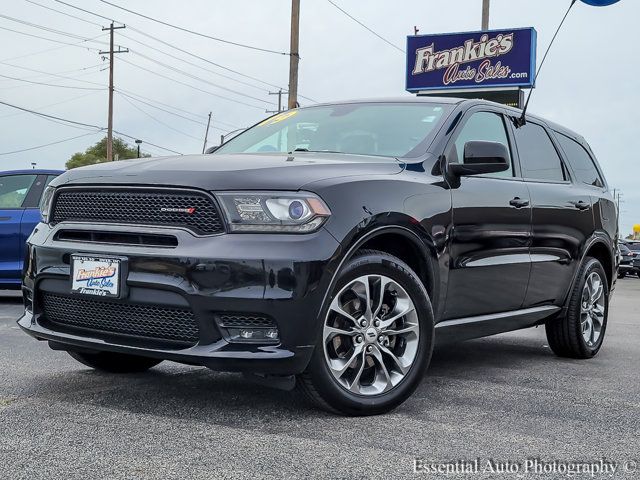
{"x":381,"y":129}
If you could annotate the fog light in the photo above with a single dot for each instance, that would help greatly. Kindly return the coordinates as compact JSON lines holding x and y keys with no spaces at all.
{"x":253,"y":335}
{"x":272,"y":333}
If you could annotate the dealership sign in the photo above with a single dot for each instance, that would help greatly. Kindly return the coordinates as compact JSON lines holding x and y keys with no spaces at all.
{"x":498,"y":58}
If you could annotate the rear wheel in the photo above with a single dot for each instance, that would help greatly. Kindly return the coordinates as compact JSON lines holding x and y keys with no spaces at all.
{"x":622,"y":274}
{"x":580,"y":334}
{"x":115,"y":362}
{"x":376,"y":338}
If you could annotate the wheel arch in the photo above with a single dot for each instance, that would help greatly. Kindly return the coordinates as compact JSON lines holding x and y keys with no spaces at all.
{"x":402,"y":242}
{"x":602,"y":252}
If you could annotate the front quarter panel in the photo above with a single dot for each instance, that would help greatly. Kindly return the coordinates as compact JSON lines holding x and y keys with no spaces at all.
{"x":412,"y":203}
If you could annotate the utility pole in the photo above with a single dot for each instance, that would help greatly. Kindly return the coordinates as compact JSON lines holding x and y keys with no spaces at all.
{"x":206,"y":134}
{"x":485,"y":14}
{"x":111,"y":52}
{"x":294,"y":56}
{"x":279,"y":93}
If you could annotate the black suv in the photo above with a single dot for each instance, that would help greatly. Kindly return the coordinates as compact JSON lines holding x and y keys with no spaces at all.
{"x":332,"y":245}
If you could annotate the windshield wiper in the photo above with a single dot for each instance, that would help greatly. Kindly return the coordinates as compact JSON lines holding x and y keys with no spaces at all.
{"x":300,"y":149}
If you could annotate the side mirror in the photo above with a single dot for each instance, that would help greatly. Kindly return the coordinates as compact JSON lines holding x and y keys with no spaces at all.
{"x":212,"y":149}
{"x":481,"y":158}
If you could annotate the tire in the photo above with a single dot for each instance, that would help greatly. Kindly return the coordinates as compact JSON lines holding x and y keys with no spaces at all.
{"x":622,"y":275}
{"x":565,"y":335}
{"x":387,"y":367}
{"x":115,"y":362}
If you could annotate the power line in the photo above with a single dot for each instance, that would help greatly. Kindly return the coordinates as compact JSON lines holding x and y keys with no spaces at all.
{"x":64,"y":13}
{"x":52,"y":104}
{"x":132,"y":95}
{"x":191,"y":63}
{"x":192,"y":86}
{"x":80,"y":124}
{"x":50,"y":84}
{"x":51,"y":40}
{"x":195,"y":77}
{"x":46,"y":29}
{"x":48,"y":144}
{"x":86,"y":11}
{"x":157,"y":120}
{"x":137,"y":96}
{"x":159,"y":108}
{"x":58,"y":74}
{"x":186,"y":52}
{"x":206,"y":60}
{"x":35,"y":53}
{"x":53,"y":117}
{"x":243,"y":45}
{"x":365,"y":27}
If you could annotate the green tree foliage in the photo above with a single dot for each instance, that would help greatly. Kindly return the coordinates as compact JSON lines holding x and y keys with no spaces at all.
{"x":98,"y":153}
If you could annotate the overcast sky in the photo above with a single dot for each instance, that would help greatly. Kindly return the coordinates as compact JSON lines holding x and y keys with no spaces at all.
{"x":589,"y":84}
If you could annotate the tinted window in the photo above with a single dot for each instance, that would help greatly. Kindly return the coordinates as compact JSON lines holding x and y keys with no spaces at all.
{"x":14,"y":189}
{"x":580,"y":161}
{"x":49,"y":179}
{"x":384,"y":129}
{"x":538,"y":157}
{"x":482,"y":126}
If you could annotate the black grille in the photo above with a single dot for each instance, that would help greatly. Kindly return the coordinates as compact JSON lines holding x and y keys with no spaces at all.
{"x":244,"y":320}
{"x":136,"y":320}
{"x":139,"y":207}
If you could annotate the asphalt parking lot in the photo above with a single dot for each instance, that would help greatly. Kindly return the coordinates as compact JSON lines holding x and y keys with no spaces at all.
{"x":505,"y":398}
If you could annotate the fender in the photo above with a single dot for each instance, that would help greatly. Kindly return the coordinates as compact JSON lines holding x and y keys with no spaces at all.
{"x":596,"y":238}
{"x":428,"y":255}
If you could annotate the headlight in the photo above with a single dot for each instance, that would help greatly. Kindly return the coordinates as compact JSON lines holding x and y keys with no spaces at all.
{"x":295,"y":212}
{"x":45,"y":203}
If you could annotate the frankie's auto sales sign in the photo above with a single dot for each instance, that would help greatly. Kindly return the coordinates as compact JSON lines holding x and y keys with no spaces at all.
{"x":497,"y":58}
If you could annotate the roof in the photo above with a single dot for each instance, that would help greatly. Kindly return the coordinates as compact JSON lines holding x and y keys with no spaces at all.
{"x":36,"y":171}
{"x":456,"y":101}
{"x":405,"y":99}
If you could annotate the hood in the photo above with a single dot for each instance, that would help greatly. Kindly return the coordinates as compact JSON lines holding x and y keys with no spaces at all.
{"x":232,"y":171}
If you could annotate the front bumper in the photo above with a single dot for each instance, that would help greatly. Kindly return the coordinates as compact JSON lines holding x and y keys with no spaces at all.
{"x":283,"y":277}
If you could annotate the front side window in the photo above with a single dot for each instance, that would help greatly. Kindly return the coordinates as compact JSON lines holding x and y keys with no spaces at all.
{"x":380,"y":129}
{"x":14,"y":189}
{"x":539,"y":159}
{"x":486,"y":127}
{"x":580,"y":161}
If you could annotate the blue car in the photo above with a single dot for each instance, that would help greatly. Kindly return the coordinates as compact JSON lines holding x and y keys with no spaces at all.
{"x":20,"y":192}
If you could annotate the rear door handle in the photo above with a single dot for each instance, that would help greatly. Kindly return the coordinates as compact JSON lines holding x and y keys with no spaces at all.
{"x":581,"y":205}
{"x":519,"y":202}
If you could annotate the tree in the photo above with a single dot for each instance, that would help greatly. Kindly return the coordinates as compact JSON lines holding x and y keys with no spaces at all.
{"x":98,"y":153}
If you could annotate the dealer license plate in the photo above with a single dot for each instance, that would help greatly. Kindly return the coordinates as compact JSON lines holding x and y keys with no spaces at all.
{"x":99,"y":276}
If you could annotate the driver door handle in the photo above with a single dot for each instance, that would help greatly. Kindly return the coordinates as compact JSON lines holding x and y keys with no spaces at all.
{"x":519,"y":202}
{"x":581,"y":205}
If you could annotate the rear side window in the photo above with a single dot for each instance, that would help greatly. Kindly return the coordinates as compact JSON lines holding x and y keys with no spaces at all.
{"x":538,"y":157}
{"x":581,"y":162}
{"x":14,"y":189}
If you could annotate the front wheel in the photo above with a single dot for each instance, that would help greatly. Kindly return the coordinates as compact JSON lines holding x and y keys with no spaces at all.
{"x":115,"y":362}
{"x":376,"y":338}
{"x":581,"y":332}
